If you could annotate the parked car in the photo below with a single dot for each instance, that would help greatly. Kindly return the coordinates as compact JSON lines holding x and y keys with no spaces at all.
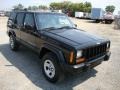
{"x":117,"y":22}
{"x":7,"y":13}
{"x":2,"y":14}
{"x":108,"y":17}
{"x":59,"y":44}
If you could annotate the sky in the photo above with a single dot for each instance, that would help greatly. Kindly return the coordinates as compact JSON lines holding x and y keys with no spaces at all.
{"x":8,"y":4}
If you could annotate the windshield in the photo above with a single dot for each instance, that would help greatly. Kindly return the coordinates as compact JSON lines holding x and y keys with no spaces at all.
{"x":45,"y":21}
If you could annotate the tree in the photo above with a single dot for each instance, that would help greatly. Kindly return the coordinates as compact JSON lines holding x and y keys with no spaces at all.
{"x":71,"y":8}
{"x":65,"y":4}
{"x":34,"y":8}
{"x":83,"y":7}
{"x":29,"y":8}
{"x":42,"y":7}
{"x":18,"y":7}
{"x":37,"y":7}
{"x":110,"y":8}
{"x":87,"y":7}
{"x":60,"y":5}
{"x":55,"y":5}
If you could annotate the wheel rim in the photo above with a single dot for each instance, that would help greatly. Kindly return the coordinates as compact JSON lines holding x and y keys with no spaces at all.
{"x":11,"y":42}
{"x":49,"y":68}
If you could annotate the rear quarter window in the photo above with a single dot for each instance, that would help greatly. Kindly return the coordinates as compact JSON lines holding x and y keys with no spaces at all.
{"x":12,"y":16}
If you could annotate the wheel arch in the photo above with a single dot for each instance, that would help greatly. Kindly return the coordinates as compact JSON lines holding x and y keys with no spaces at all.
{"x":11,"y":33}
{"x":48,"y":48}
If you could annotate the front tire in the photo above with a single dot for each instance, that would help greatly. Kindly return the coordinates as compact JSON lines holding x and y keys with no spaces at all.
{"x":50,"y":68}
{"x":13,"y":43}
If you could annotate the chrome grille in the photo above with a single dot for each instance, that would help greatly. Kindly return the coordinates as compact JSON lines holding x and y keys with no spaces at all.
{"x":95,"y":51}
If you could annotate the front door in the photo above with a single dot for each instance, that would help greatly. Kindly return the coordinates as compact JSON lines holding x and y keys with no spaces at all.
{"x":27,"y":32}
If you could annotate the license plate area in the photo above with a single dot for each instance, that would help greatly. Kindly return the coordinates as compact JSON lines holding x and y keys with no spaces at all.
{"x":93,"y":64}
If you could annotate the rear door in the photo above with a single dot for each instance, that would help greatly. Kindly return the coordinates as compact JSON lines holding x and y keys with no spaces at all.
{"x":19,"y":24}
{"x":12,"y":24}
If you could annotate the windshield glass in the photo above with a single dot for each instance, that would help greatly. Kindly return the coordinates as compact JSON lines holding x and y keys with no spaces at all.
{"x":52,"y":21}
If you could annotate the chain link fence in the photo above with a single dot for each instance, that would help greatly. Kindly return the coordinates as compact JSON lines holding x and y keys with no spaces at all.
{"x":117,"y":22}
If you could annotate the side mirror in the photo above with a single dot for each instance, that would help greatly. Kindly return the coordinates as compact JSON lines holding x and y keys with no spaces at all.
{"x":28,"y":27}
{"x":75,"y":25}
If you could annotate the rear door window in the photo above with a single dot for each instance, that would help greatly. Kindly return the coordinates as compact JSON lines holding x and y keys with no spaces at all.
{"x":19,"y":19}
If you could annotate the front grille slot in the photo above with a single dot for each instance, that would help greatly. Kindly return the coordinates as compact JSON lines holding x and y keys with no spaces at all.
{"x":92,"y":52}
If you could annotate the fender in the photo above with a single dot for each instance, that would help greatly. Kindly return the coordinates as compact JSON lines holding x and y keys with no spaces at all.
{"x":57,"y":51}
{"x":11,"y":32}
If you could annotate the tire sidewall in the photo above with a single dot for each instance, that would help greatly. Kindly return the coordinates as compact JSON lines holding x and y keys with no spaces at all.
{"x":16,"y":45}
{"x":11,"y":37}
{"x":53,"y":59}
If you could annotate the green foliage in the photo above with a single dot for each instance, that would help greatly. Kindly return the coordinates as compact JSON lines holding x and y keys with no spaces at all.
{"x":37,"y":7}
{"x":72,"y":7}
{"x":18,"y":7}
{"x":84,"y":7}
{"x":87,"y":7}
{"x":29,"y":8}
{"x":21,"y":7}
{"x":34,"y":7}
{"x":66,"y":6}
{"x":61,"y":5}
{"x":110,"y":8}
{"x":42,"y":7}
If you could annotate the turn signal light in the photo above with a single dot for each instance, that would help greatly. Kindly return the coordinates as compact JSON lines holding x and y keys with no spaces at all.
{"x":107,"y":49}
{"x":80,"y":60}
{"x":71,"y":57}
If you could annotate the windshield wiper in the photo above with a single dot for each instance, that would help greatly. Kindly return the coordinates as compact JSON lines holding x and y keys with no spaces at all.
{"x":67,"y":27}
{"x":50,"y":28}
{"x":54,"y":28}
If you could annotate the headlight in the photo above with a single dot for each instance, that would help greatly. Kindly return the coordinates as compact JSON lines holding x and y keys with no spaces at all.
{"x":79,"y":54}
{"x":107,"y":45}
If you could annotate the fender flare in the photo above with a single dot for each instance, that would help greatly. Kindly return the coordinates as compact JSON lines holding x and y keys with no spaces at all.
{"x":56,"y":51}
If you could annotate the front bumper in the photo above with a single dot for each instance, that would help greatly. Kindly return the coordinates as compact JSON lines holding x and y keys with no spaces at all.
{"x":87,"y":65}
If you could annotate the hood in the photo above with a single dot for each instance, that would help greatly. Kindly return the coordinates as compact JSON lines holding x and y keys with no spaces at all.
{"x":73,"y":36}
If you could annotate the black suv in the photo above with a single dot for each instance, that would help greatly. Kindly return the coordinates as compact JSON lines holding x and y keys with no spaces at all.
{"x":60,"y":45}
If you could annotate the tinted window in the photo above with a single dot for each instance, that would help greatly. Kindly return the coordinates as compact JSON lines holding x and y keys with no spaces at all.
{"x":29,"y":20}
{"x":52,"y":20}
{"x":12,"y":16}
{"x":19,"y":19}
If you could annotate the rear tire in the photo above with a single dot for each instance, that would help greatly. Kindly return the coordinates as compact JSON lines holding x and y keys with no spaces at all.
{"x":51,"y":68}
{"x":97,"y":21}
{"x":111,"y":22}
{"x":13,"y":43}
{"x":108,"y":21}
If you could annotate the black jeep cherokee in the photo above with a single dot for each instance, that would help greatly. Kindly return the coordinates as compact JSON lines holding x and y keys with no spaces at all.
{"x":60,"y":45}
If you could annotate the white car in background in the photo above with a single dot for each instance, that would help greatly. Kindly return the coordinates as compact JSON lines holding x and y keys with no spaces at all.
{"x":2,"y":14}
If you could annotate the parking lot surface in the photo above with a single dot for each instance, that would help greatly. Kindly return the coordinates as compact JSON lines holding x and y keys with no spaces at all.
{"x":21,"y":70}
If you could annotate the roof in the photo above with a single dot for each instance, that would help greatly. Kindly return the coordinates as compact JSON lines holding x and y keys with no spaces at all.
{"x":46,"y":12}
